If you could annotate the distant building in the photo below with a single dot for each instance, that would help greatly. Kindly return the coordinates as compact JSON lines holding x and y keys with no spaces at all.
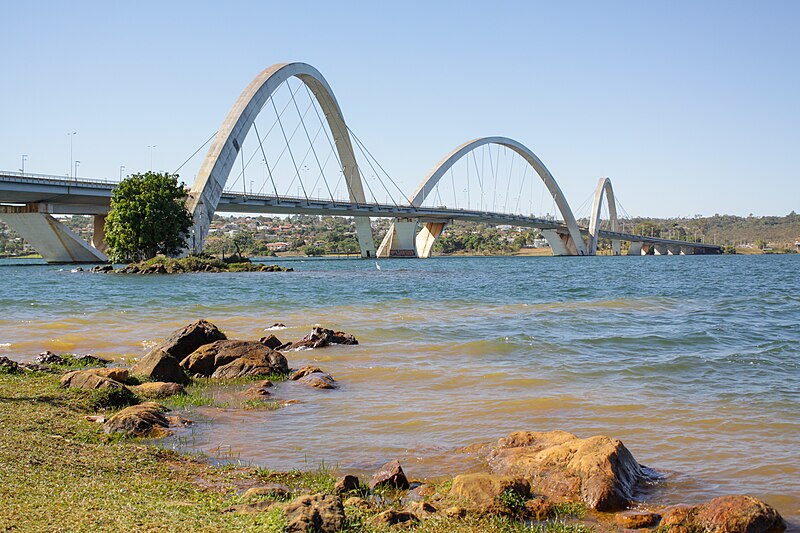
{"x":277,"y":246}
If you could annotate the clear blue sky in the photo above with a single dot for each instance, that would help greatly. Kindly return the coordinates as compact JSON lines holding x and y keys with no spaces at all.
{"x":690,"y":107}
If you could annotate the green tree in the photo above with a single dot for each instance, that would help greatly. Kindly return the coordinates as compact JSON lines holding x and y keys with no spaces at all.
{"x":148,"y":217}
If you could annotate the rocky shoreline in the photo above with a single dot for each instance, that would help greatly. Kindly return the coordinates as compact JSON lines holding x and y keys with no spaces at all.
{"x":528,"y":476}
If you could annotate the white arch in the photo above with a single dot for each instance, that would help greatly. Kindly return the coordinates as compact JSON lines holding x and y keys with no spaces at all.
{"x":216,"y":167}
{"x":576,"y":246}
{"x":604,"y":184}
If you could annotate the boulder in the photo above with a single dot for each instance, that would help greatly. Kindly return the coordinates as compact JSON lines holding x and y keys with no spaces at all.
{"x":117,"y":374}
{"x":7,"y":366}
{"x":637,"y":519}
{"x":207,"y":359}
{"x":358,"y":503}
{"x":184,"y":341}
{"x":421,"y":508}
{"x":320,"y":513}
{"x":346,"y":484}
{"x":319,"y":381}
{"x":389,"y":475}
{"x":89,"y":360}
{"x":484,"y":492}
{"x":320,"y":337}
{"x":600,"y":471}
{"x":50,"y":358}
{"x":305,"y":371}
{"x":391,"y":517}
{"x":726,"y":514}
{"x":271,"y":341}
{"x":157,"y":389}
{"x":161,"y":366}
{"x":88,"y":380}
{"x":146,"y":419}
{"x":259,"y":361}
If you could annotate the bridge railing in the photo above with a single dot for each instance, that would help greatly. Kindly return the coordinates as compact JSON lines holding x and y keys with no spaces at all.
{"x":22,"y":176}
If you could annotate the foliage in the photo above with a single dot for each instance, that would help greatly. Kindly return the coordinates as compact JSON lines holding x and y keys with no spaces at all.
{"x":568,"y":510}
{"x":111,"y":398}
{"x":148,"y":217}
{"x":513,"y":501}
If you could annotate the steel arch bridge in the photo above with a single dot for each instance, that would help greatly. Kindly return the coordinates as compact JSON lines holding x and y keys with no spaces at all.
{"x":36,"y":198}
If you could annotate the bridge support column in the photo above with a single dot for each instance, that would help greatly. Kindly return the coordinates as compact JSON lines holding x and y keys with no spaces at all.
{"x":53,"y":240}
{"x":99,"y":233}
{"x":427,"y":236}
{"x":364,"y":234}
{"x":561,"y":244}
{"x":673,"y":249}
{"x":660,"y":249}
{"x":635,"y":249}
{"x":400,"y":239}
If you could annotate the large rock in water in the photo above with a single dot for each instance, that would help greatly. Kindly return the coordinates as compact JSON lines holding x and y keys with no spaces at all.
{"x":160,"y":366}
{"x":320,"y":337}
{"x":258,"y":360}
{"x":187,"y":339}
{"x":600,"y":471}
{"x":207,"y":359}
{"x":318,"y":513}
{"x":726,"y":514}
{"x":146,"y":419}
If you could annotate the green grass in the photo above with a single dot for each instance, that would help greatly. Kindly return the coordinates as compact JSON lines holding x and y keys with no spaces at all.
{"x":568,"y":510}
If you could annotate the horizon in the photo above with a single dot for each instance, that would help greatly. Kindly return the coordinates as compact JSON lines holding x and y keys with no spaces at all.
{"x":689,"y":109}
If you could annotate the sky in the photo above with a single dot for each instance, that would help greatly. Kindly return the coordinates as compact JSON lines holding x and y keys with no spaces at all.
{"x":689,"y":107}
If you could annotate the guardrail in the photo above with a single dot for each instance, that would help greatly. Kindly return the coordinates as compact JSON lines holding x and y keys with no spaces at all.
{"x":22,"y":176}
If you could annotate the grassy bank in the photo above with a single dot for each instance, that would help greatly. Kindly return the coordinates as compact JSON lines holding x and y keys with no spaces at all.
{"x":59,"y":471}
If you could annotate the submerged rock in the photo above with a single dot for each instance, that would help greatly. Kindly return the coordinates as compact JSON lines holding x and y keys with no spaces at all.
{"x":482,"y":492}
{"x":319,"y":380}
{"x":637,"y":519}
{"x":600,"y":471}
{"x":320,"y":337}
{"x":209,"y":359}
{"x":726,"y":514}
{"x":146,"y":419}
{"x":389,"y":475}
{"x":318,"y":513}
{"x":160,"y":366}
{"x":271,"y":341}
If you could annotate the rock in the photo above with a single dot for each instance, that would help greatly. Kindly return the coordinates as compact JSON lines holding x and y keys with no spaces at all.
{"x":50,"y":358}
{"x":97,"y":419}
{"x":389,"y":475}
{"x":637,"y":519}
{"x":90,"y":360}
{"x":178,"y":421}
{"x":305,"y":371}
{"x":391,"y":517}
{"x":271,"y":341}
{"x":160,"y":366}
{"x":273,"y":489}
{"x":157,"y":389}
{"x":88,"y":380}
{"x":726,"y":514}
{"x":277,"y":325}
{"x":538,"y":508}
{"x":260,"y":361}
{"x":103,"y":268}
{"x":146,"y":419}
{"x":117,"y":374}
{"x":421,"y":509}
{"x":358,"y":503}
{"x":320,"y":337}
{"x":482,"y":492}
{"x":255,"y":393}
{"x":346,"y":484}
{"x":184,"y":341}
{"x":33,"y":367}
{"x":321,"y":513}
{"x":207,"y":359}
{"x":455,"y":512}
{"x":599,"y":471}
{"x":250,"y":508}
{"x":7,"y":366}
{"x":319,"y":381}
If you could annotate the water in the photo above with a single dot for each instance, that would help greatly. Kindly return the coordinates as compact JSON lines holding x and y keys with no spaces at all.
{"x":691,"y":361}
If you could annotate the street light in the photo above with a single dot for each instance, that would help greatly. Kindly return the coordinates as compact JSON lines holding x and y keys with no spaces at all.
{"x":151,"y":146}
{"x":121,"y":170}
{"x":76,"y":170}
{"x":251,"y":187}
{"x":24,"y":157}
{"x":71,"y":135}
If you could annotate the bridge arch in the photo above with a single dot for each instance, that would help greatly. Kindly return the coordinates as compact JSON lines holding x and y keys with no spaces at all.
{"x":221,"y":156}
{"x":572,"y":243}
{"x":603,"y":185}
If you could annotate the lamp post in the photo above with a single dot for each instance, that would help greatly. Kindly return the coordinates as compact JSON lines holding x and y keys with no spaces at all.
{"x":121,"y":170}
{"x":76,"y":169}
{"x":24,"y":157}
{"x":71,"y":135}
{"x":151,"y":146}
{"x":251,"y":187}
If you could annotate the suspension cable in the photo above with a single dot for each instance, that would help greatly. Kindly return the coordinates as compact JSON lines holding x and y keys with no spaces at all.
{"x":195,"y":152}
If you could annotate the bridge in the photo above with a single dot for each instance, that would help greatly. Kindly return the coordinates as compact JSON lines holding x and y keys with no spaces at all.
{"x":29,"y":201}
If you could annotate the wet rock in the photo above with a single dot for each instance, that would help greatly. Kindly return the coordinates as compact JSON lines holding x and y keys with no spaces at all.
{"x":158,"y":365}
{"x":358,"y":503}
{"x":275,"y":268}
{"x":319,"y":381}
{"x":7,"y":366}
{"x":208,"y":359}
{"x":255,"y":393}
{"x":117,"y":374}
{"x":34,"y":367}
{"x":389,"y":475}
{"x":103,"y":268}
{"x":259,"y":361}
{"x":726,"y":514}
{"x":157,"y":389}
{"x":637,"y":519}
{"x":178,"y":421}
{"x":305,"y":371}
{"x":315,"y":513}
{"x":391,"y":517}
{"x":273,"y":490}
{"x":271,"y":341}
{"x":600,"y":471}
{"x":320,"y":337}
{"x":184,"y":341}
{"x":250,"y":508}
{"x":482,"y":492}
{"x":50,"y":358}
{"x":420,"y":508}
{"x":88,"y":380}
{"x":146,"y":419}
{"x":346,"y":484}
{"x":277,"y":325}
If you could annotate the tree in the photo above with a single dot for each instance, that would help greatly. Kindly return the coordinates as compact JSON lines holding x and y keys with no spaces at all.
{"x":148,"y":217}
